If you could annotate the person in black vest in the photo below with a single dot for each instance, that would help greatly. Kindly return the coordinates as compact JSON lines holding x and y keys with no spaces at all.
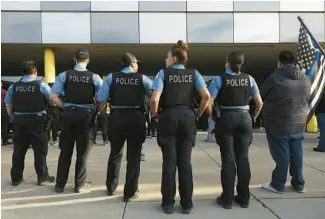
{"x":79,"y":87}
{"x":286,"y":95}
{"x":233,"y":91}
{"x":125,"y":90}
{"x":174,"y":91}
{"x":27,"y":100}
{"x":320,"y":114}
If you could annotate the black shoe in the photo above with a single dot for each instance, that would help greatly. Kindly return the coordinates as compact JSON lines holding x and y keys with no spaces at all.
{"x":168,"y":209}
{"x":135,"y":196}
{"x":16,"y":183}
{"x":319,"y":150}
{"x":42,"y":182}
{"x":186,"y":210}
{"x":242,"y":204}
{"x":110,"y":193}
{"x":223,"y":204}
{"x":84,"y":188}
{"x":58,"y":189}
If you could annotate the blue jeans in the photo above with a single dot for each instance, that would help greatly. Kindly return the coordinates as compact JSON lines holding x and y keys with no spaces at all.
{"x":286,"y":150}
{"x":321,"y":125}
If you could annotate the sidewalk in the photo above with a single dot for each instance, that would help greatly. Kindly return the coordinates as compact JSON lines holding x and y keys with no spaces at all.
{"x":28,"y":201}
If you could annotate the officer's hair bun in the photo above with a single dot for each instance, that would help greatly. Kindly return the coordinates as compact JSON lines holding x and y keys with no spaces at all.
{"x":182,"y":45}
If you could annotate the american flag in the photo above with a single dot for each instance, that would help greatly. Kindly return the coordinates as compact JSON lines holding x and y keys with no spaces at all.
{"x":312,"y":58}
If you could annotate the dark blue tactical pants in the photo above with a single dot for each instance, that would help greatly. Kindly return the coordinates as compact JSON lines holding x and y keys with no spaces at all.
{"x":234,"y":138}
{"x":286,"y":150}
{"x":176,"y":137}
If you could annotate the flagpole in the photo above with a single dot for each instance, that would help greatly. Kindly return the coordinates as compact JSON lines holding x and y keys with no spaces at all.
{"x":311,"y":36}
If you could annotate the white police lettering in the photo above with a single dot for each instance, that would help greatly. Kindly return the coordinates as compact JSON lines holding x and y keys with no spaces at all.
{"x":30,"y":88}
{"x":243,"y":82}
{"x":180,"y":78}
{"x":127,"y":81}
{"x":78,"y":79}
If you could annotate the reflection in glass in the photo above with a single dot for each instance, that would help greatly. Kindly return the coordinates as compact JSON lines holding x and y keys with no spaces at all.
{"x":157,"y":28}
{"x":65,"y":27}
{"x":162,"y":6}
{"x":20,"y":27}
{"x":256,"y":6}
{"x":122,"y":28}
{"x":114,"y":5}
{"x":289,"y":26}
{"x":256,"y":27}
{"x":210,"y":28}
{"x":65,"y":5}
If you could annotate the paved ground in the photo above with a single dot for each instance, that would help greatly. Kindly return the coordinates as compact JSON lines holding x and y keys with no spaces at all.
{"x":28,"y":201}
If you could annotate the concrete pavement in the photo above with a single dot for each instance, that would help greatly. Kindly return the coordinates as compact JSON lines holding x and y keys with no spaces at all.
{"x":30,"y":201}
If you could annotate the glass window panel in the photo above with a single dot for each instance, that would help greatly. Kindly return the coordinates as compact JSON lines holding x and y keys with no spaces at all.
{"x":210,"y":6}
{"x":289,"y":26}
{"x":210,"y":28}
{"x":65,"y":27}
{"x":302,"y":6}
{"x":122,"y":28}
{"x":65,"y":6}
{"x":20,"y":5}
{"x":156,"y":28}
{"x":256,"y":6}
{"x":162,"y":6}
{"x":114,"y":5}
{"x":252,"y":28}
{"x":20,"y":27}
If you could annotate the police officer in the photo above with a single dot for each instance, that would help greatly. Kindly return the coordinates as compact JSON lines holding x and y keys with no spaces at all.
{"x":79,"y":86}
{"x":232,"y":91}
{"x":174,"y":90}
{"x":125,"y":91}
{"x":27,"y":100}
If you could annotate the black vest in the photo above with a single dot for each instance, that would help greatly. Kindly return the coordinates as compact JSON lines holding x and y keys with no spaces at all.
{"x":127,"y":89}
{"x":27,"y":97}
{"x":235,"y":90}
{"x":321,"y":105}
{"x":179,"y":90}
{"x":79,"y":87}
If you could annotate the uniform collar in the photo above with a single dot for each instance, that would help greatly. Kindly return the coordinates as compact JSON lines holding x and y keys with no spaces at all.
{"x":127,"y":70}
{"x":178,"y":66}
{"x":228,"y":71}
{"x":80,"y":67}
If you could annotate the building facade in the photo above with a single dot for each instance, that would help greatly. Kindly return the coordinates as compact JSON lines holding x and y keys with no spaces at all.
{"x":158,"y":22}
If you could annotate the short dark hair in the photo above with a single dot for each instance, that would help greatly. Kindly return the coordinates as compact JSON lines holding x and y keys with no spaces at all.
{"x":180,"y":52}
{"x":28,"y":67}
{"x":286,"y":57}
{"x":127,"y":59}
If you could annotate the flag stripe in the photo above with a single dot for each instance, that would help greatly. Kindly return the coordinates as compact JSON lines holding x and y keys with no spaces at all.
{"x":312,"y":58}
{"x":318,"y":73}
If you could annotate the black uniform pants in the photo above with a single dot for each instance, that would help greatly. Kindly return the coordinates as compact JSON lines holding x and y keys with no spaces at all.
{"x":127,"y":125}
{"x":176,"y":137}
{"x":55,"y":127}
{"x":4,"y":124}
{"x":77,"y":128}
{"x":29,"y":130}
{"x":234,"y":138}
{"x":102,"y":122}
